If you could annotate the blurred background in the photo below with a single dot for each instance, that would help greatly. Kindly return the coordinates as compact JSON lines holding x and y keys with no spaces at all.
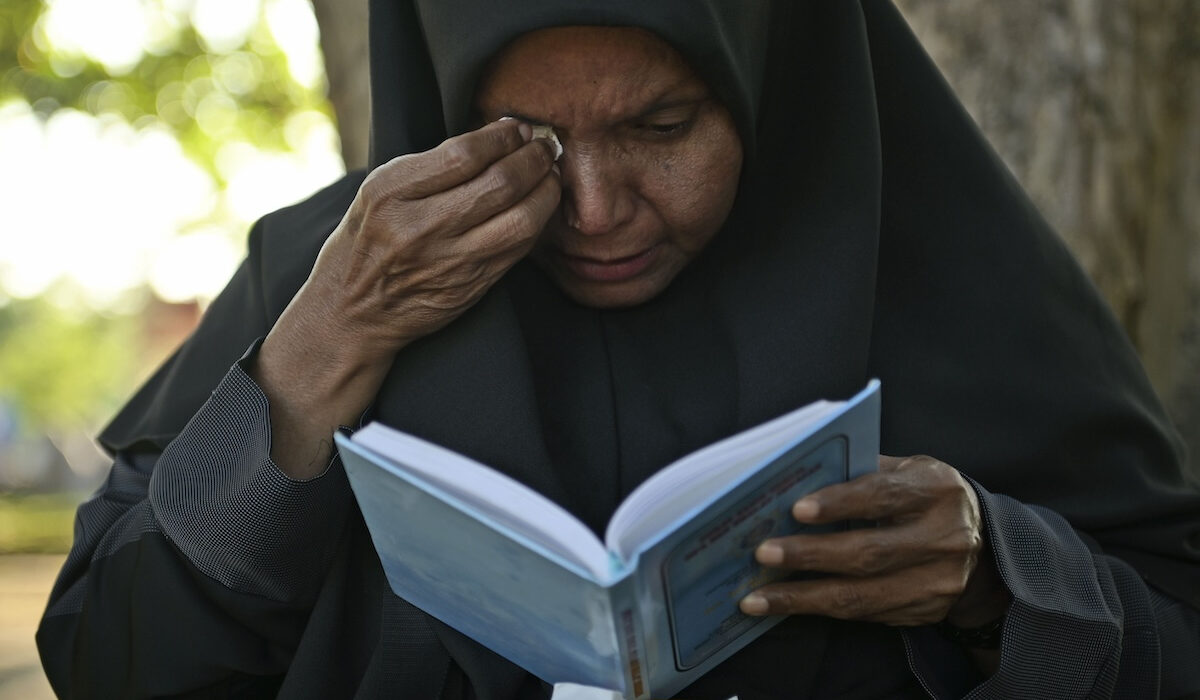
{"x":140,"y":139}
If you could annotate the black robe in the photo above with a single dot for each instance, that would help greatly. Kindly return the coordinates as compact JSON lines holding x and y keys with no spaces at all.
{"x":875,"y":234}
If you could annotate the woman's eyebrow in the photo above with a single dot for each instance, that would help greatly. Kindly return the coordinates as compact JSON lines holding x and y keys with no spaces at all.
{"x":524,"y":118}
{"x":669,"y":103}
{"x":653,"y":108}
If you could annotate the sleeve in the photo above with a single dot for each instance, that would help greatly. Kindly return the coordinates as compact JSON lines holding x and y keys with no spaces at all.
{"x":1082,"y":624}
{"x":195,"y":567}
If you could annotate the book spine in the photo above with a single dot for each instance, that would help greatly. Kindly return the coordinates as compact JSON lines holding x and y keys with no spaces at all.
{"x":627,"y":621}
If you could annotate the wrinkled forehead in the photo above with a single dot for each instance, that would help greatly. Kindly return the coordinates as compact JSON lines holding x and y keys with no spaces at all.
{"x":725,"y":41}
{"x":586,"y":75}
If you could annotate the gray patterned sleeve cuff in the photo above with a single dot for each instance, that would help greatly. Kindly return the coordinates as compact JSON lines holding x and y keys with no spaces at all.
{"x":232,"y":512}
{"x":1080,"y":624}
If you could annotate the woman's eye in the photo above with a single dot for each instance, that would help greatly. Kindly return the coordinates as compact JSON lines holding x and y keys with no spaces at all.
{"x":666,"y":128}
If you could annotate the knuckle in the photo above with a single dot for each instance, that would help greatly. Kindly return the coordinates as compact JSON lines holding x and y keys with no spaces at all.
{"x":945,"y":477}
{"x":429,"y":220}
{"x":503,"y":185}
{"x":873,"y":558}
{"x":375,"y":187}
{"x":848,"y":602}
{"x":785,"y":600}
{"x":455,"y":155}
{"x":965,"y":542}
{"x":890,"y":490}
{"x":959,"y":542}
{"x":392,"y":177}
{"x":950,"y":479}
{"x":520,"y":225}
{"x":476,"y":283}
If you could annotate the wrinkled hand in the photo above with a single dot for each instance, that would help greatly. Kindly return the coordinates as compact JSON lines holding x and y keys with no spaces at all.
{"x":921,"y":564}
{"x":429,"y":233}
{"x":426,"y":236}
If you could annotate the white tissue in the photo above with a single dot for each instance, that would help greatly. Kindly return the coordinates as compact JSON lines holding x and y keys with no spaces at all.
{"x":541,"y":131}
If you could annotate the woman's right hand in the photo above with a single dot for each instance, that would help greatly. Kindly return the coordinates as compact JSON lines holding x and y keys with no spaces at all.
{"x":430,"y":232}
{"x":426,"y":236}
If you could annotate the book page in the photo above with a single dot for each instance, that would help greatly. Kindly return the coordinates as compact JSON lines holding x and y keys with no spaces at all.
{"x":692,"y":480}
{"x":485,"y":580}
{"x":495,"y":496}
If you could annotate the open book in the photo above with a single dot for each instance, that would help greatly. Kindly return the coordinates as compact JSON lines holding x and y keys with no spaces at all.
{"x":646,"y":611}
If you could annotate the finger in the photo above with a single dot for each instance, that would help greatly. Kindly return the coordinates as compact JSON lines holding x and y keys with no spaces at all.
{"x":861,"y":552}
{"x":907,"y":487}
{"x":870,"y":497}
{"x":455,"y":161}
{"x":889,"y":463}
{"x":882,"y":598}
{"x":502,"y":185}
{"x":483,"y":255}
{"x":511,"y":233}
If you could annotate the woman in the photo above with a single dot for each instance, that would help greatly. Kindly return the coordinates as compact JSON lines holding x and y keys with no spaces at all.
{"x":759,"y":204}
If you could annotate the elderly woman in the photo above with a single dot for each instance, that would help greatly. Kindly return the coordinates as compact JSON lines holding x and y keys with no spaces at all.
{"x":759,"y":204}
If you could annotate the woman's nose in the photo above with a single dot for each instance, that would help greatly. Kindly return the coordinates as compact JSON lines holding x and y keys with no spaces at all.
{"x":596,"y":194}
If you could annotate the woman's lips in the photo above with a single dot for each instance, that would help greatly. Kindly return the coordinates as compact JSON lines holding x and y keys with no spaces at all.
{"x":615,"y":270}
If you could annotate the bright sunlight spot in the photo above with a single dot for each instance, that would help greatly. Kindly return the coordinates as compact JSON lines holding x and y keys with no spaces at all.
{"x":295,"y":30}
{"x":104,"y":205}
{"x":111,"y":32}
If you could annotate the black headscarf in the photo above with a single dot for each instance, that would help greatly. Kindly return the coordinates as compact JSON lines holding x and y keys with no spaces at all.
{"x":874,"y":234}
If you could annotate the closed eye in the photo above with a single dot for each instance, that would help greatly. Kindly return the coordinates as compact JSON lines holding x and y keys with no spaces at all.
{"x":668,"y":128}
{"x":665,"y":131}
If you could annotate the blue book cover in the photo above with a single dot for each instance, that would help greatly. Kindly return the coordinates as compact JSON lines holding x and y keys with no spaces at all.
{"x":647,"y":611}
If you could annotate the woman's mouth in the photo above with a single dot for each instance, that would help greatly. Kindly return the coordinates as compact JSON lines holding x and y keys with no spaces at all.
{"x":610,"y":270}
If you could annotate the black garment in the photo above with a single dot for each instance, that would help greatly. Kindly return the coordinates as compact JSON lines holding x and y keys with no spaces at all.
{"x":234,"y":622}
{"x":874,"y":235}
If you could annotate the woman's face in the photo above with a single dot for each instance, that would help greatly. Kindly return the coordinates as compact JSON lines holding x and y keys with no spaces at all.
{"x":651,"y":160}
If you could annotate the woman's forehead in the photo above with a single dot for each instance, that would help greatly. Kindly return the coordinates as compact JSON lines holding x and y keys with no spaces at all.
{"x":607,"y":73}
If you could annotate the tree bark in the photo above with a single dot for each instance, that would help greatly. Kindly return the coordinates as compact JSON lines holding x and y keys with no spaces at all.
{"x":1095,"y":106}
{"x":343,"y":26}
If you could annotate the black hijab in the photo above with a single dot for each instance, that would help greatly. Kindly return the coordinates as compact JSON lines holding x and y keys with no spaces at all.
{"x":875,"y":234}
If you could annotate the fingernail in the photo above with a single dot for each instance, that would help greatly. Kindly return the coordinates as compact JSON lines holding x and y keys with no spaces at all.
{"x":805,"y":509}
{"x":554,"y":167}
{"x":769,"y":553}
{"x":754,"y":604}
{"x":542,"y":131}
{"x":525,"y":129}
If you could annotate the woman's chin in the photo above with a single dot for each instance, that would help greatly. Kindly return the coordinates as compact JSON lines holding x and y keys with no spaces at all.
{"x":620,"y":284}
{"x":610,"y":295}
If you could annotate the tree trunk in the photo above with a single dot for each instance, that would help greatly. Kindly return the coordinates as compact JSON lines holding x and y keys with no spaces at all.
{"x":1095,"y":106}
{"x":343,"y":26}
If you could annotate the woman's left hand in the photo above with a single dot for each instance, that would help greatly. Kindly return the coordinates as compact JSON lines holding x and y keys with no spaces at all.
{"x":921,"y":564}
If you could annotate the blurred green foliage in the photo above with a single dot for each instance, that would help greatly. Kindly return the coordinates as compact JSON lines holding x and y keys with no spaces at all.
{"x":63,"y":366}
{"x":206,"y":99}
{"x":37,"y":523}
